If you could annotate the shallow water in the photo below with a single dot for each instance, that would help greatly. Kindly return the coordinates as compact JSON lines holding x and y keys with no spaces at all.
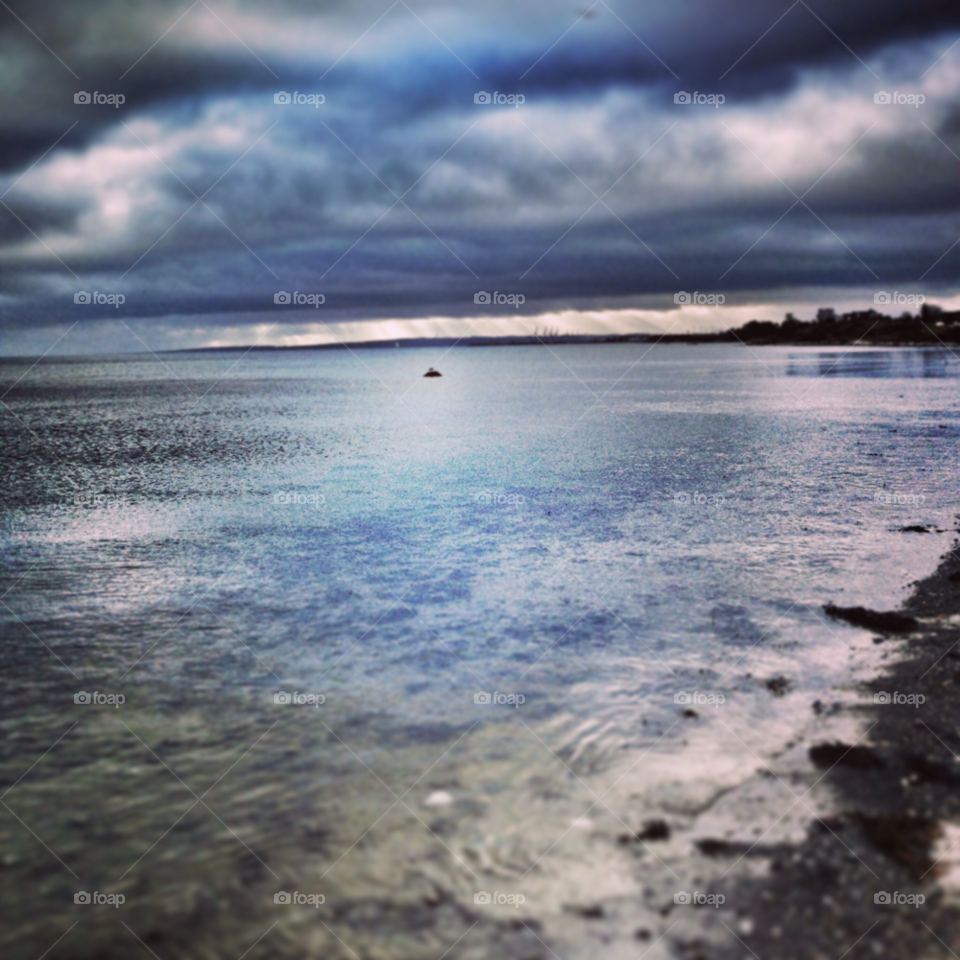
{"x":594,"y":529}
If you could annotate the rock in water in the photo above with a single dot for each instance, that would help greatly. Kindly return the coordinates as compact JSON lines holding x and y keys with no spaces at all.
{"x":883,"y":621}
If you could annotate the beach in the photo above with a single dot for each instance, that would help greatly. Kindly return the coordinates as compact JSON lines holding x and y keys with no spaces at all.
{"x":877,"y":873}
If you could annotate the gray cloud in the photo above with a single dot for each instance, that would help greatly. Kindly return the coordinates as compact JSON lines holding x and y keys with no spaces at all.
{"x":307,"y":198}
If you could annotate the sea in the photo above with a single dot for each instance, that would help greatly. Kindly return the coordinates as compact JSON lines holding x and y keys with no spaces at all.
{"x":307,"y":655}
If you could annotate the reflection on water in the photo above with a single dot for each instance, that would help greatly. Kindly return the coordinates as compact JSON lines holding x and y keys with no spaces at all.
{"x":867,"y":362}
{"x":546,"y":599}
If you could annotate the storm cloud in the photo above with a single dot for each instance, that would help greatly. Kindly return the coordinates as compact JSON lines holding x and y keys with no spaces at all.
{"x":580,"y":155}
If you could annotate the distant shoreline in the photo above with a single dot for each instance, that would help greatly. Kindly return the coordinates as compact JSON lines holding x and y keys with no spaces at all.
{"x":930,"y":328}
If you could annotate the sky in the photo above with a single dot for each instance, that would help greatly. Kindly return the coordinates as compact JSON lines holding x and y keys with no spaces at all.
{"x":189,"y":165}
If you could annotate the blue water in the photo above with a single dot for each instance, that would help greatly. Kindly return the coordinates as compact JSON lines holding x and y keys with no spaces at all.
{"x":593,"y":528}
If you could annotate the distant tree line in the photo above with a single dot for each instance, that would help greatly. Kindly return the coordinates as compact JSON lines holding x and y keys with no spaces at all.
{"x":931,"y":326}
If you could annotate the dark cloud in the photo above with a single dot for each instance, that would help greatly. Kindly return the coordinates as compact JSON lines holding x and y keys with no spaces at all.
{"x":303,"y":198}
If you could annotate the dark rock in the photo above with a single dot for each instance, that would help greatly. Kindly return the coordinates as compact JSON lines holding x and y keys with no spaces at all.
{"x":931,"y":771}
{"x":883,"y":621}
{"x":592,"y":912}
{"x":652,"y":830}
{"x":711,"y":847}
{"x":904,"y":839}
{"x":778,"y":686}
{"x":842,"y":755}
{"x":655,"y":830}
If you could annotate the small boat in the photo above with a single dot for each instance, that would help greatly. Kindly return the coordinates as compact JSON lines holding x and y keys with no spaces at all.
{"x":433,"y":373}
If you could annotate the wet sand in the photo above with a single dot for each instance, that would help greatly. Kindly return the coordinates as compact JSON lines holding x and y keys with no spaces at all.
{"x":891,"y":837}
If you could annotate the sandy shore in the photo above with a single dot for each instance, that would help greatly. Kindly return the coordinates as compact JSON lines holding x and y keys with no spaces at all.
{"x":880,"y":877}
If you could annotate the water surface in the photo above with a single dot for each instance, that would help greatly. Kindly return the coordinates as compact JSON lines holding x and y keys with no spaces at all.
{"x":595,"y":530}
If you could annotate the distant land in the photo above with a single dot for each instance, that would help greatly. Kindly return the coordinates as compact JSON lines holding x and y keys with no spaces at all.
{"x":931,"y":327}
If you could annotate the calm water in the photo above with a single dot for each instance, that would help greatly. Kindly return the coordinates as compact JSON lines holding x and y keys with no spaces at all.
{"x":592,"y":530}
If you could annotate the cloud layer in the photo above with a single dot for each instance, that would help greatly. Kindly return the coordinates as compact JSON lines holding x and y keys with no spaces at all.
{"x":400,"y":196}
